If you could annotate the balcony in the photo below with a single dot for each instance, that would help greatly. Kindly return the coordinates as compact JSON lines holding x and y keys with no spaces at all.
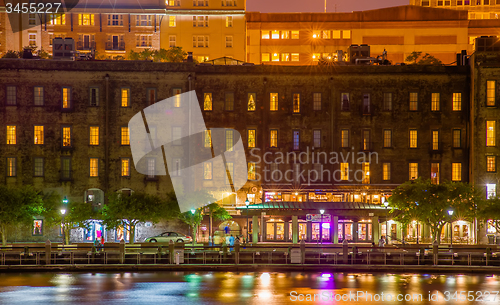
{"x":115,"y":46}
{"x":85,"y":45}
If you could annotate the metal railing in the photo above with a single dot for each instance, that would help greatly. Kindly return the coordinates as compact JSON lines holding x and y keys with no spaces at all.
{"x":158,"y":253}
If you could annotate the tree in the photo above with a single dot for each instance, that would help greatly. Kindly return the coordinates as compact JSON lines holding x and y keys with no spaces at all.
{"x":11,"y":54}
{"x":18,"y":206}
{"x":427,"y":59}
{"x":428,"y":203}
{"x":491,"y":210}
{"x":128,"y":211}
{"x":173,"y":54}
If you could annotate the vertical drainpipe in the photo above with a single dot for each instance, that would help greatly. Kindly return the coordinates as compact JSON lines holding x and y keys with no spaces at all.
{"x":106,"y":138}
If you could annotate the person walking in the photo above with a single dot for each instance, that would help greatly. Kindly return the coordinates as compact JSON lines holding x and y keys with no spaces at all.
{"x":381,"y":242}
{"x":102,"y":242}
{"x":231,"y":242}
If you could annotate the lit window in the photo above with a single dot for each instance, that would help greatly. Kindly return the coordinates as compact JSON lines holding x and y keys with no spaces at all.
{"x":346,"y":34}
{"x":435,"y":173}
{"x":125,"y":97}
{"x":207,"y":141}
{"x":266,"y":57}
{"x":251,"y":170}
{"x":326,"y":34}
{"x":457,"y":101}
{"x":295,"y":34}
{"x":366,"y":139}
{"x":229,"y":21}
{"x":491,"y":191}
{"x":456,"y":172}
{"x":366,"y":173}
{"x":413,"y":101}
{"x":336,"y":34}
{"x":38,"y":92}
{"x":413,"y":171}
{"x":274,"y":101}
{"x":386,"y":171}
{"x":316,"y":34}
{"x":296,"y":139}
{"x":317,"y":101}
{"x":435,"y":140}
{"x":85,"y":19}
{"x":344,"y":138}
{"x":490,"y":133}
{"x":344,"y":171}
{"x":66,"y":136}
{"x":251,"y":138}
{"x":229,"y":101}
{"x":457,"y":138}
{"x":11,"y":167}
{"x":251,"y":101}
{"x":296,"y":102}
{"x":39,"y":134}
{"x":176,"y":92}
{"x":387,"y":138}
{"x":285,"y":34}
{"x":317,"y":138}
{"x":229,"y":140}
{"x":207,"y":170}
{"x":66,"y":97}
{"x":435,"y":102}
{"x":124,"y":136}
{"x":388,"y":101}
{"x":94,"y":167}
{"x":316,"y":56}
{"x":11,"y":95}
{"x":274,"y":137}
{"x":285,"y":56}
{"x":413,"y":138}
{"x":94,"y":135}
{"x":275,"y":34}
{"x":265,"y":35}
{"x":11,"y":135}
{"x":207,"y":101}
{"x":125,"y":167}
{"x":172,"y":21}
{"x":490,"y":93}
{"x":491,"y":163}
{"x":57,"y":19}
{"x":38,"y":168}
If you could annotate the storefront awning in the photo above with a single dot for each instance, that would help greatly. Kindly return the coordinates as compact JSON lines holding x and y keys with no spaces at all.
{"x":312,"y":206}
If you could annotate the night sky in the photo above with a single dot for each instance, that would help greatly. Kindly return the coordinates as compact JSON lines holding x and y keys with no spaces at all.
{"x":278,"y":6}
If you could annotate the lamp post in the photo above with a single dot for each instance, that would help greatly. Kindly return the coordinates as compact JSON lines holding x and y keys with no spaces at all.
{"x":386,"y":204}
{"x":192,"y":214}
{"x":321,"y":226}
{"x":450,"y":213}
{"x":63,"y":212}
{"x":247,"y":203}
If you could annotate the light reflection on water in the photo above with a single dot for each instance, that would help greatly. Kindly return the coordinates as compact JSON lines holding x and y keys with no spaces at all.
{"x":176,"y":288}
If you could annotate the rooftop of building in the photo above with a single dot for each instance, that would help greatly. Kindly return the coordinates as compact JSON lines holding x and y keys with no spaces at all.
{"x":147,"y":66}
{"x":397,"y":13}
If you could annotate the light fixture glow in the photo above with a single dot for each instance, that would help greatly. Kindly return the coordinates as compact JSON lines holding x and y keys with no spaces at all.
{"x":322,"y":211}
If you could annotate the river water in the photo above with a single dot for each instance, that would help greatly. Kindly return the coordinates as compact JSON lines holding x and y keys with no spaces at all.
{"x":178,"y":288}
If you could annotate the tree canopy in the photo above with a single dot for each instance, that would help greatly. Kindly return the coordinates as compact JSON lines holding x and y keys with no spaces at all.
{"x":429,"y":203}
{"x":427,"y":59}
{"x":173,"y":54}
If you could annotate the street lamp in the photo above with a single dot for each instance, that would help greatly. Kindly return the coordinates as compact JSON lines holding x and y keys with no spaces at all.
{"x":63,"y":212}
{"x":321,"y":227}
{"x":450,"y":213}
{"x":247,"y":203}
{"x":386,"y":204}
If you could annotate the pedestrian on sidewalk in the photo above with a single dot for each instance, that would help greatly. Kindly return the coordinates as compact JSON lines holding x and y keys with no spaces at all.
{"x":231,"y":242}
{"x":381,"y":242}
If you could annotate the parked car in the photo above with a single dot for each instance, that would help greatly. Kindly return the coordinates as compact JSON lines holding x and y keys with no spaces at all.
{"x":168,"y":236}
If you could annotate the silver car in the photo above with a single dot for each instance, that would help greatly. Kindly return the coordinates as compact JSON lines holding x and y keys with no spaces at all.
{"x":168,"y":236}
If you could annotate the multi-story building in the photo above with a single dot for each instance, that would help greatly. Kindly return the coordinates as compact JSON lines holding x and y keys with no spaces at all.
{"x":209,"y":29}
{"x":337,"y":139}
{"x":479,"y":9}
{"x":305,"y":38}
